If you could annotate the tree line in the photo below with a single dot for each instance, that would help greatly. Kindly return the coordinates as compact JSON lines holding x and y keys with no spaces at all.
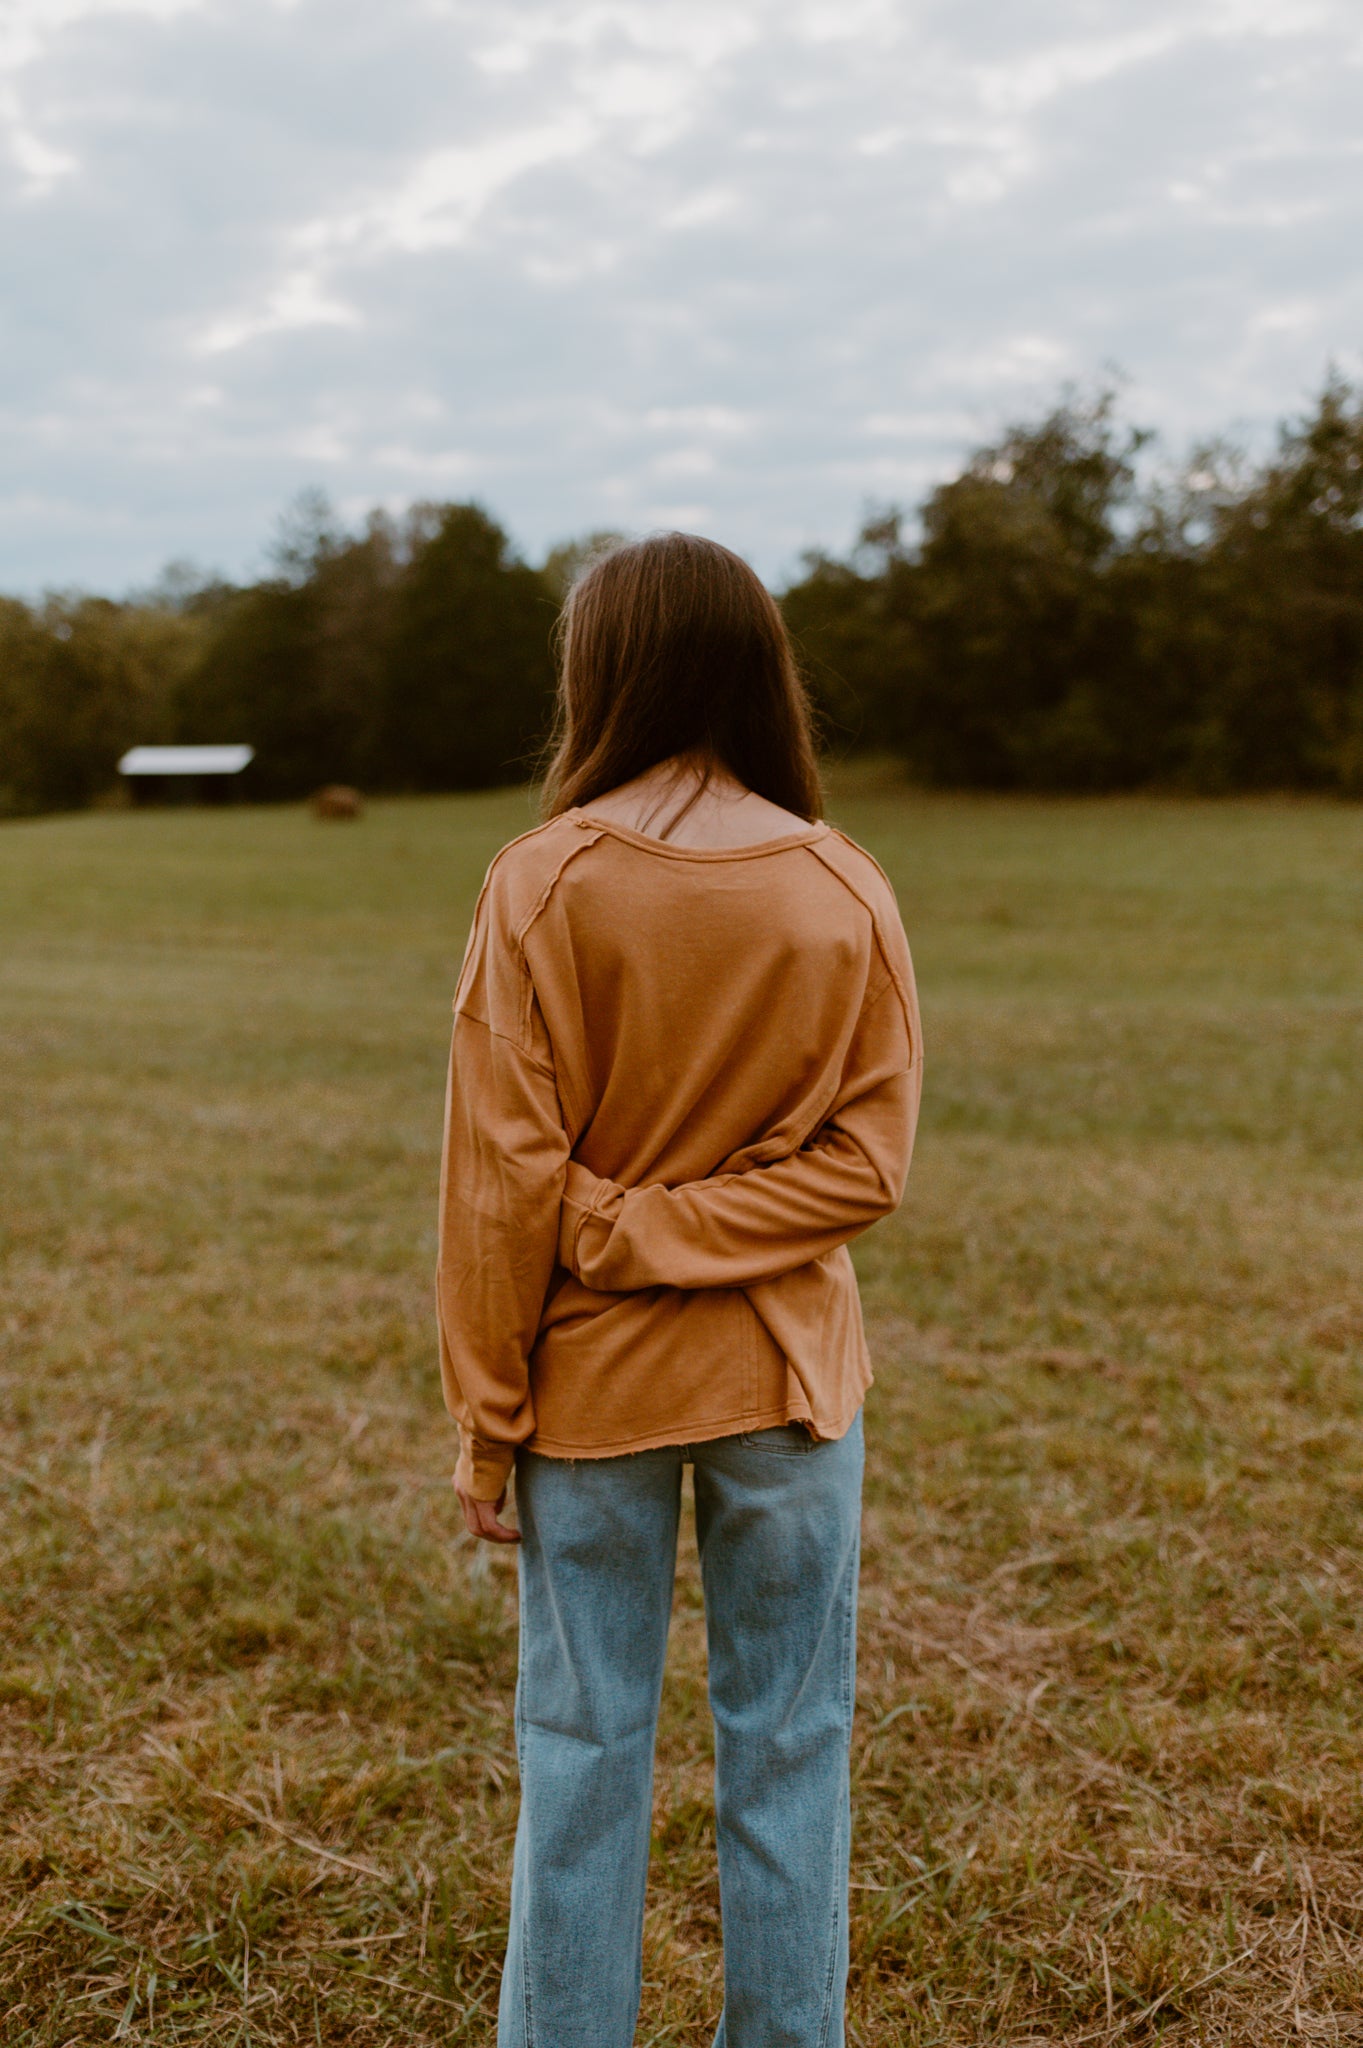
{"x":414,"y":655}
{"x":1065,"y":613}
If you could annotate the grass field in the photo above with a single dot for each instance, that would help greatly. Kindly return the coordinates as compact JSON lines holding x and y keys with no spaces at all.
{"x":255,"y":1685}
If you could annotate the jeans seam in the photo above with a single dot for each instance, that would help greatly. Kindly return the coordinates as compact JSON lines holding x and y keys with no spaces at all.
{"x":840,"y":1901}
{"x":527,"y":2011}
{"x":525,"y":1996}
{"x":832,"y":1950}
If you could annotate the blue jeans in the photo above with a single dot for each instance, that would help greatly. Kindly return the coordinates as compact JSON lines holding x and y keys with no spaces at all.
{"x":778,"y":1523}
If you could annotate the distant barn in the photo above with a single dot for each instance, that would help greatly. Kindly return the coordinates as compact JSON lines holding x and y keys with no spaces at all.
{"x":185,"y":775}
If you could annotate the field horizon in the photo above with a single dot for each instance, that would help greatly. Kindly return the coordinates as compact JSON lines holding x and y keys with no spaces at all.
{"x":255,"y":1682}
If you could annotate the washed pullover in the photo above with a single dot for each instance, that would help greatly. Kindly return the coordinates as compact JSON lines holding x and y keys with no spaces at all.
{"x":681,"y":1079}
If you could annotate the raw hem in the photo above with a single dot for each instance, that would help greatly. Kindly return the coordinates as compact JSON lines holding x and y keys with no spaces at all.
{"x":698,"y":1433}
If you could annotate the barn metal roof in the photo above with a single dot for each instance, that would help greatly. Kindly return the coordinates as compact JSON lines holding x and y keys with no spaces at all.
{"x":185,"y":760}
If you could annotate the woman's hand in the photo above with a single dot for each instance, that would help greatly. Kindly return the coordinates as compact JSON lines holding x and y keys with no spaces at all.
{"x":481,"y":1518}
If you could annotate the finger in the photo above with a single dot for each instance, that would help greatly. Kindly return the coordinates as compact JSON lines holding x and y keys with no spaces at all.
{"x":481,"y":1519}
{"x":491,"y":1527}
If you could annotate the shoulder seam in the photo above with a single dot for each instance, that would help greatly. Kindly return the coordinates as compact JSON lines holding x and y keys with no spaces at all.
{"x":582,"y":838}
{"x":587,"y":836}
{"x":491,"y":870}
{"x":530,"y":832}
{"x":520,"y":840}
{"x":566,"y":1083}
{"x":857,"y":847}
{"x":887,"y":962}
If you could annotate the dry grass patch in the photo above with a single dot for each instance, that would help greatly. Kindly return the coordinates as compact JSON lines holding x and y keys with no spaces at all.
{"x":255,"y":1686}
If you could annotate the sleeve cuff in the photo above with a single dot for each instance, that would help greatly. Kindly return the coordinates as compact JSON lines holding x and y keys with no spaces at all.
{"x":585,"y":1194}
{"x":484,"y":1468}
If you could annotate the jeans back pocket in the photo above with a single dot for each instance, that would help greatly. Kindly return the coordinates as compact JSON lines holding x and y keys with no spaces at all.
{"x":782,"y":1440}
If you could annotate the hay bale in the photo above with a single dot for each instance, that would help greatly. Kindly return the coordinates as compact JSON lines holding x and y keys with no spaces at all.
{"x":337,"y":800}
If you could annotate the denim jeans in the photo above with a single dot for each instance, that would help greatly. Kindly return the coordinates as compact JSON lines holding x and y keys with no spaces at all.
{"x":778,"y":1521}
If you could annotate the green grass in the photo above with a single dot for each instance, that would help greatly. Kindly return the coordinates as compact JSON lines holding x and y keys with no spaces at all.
{"x":255,"y":1685}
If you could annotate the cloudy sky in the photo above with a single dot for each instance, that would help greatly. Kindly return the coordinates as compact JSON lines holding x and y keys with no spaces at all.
{"x":740,"y":265}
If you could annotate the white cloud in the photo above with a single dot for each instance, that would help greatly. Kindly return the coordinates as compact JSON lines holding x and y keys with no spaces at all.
{"x":29,"y":29}
{"x":300,"y":300}
{"x":29,"y":26}
{"x":446,"y":466}
{"x":719,"y":420}
{"x":1296,"y":316}
{"x":681,"y":462}
{"x":702,"y":208}
{"x":40,"y":162}
{"x":837,"y":21}
{"x":598,"y":260}
{"x":437,"y":202}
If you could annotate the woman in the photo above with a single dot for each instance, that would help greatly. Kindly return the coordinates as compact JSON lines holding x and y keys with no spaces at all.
{"x":685,"y":1071}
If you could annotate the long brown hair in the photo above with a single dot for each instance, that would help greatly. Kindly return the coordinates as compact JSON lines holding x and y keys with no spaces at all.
{"x":672,"y":647}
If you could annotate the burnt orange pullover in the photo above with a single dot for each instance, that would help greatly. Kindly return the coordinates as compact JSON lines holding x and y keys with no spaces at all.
{"x":681,"y":1079}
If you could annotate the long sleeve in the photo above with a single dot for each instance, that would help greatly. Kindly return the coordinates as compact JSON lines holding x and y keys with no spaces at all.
{"x":735,"y":1229}
{"x":501,"y":1187}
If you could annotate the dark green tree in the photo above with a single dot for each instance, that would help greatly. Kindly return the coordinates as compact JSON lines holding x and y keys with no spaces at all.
{"x":1284,"y":586}
{"x":469,"y":678}
{"x":1018,"y":677}
{"x":297,"y":665}
{"x":991,"y":649}
{"x":81,"y":679}
{"x":846,"y":620}
{"x":564,"y":563}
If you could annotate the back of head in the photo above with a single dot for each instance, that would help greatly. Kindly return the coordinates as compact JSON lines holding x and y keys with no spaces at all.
{"x":672,"y":647}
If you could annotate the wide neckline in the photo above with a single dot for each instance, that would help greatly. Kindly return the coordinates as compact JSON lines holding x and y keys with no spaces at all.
{"x":646,"y":840}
